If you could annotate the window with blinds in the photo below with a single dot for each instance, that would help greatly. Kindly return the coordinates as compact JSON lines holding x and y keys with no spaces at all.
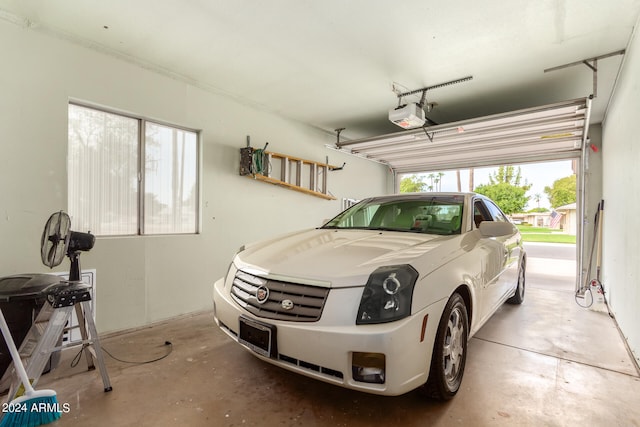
{"x":130,"y":176}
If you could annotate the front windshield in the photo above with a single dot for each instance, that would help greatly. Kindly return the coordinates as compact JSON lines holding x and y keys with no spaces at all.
{"x":429,"y":215}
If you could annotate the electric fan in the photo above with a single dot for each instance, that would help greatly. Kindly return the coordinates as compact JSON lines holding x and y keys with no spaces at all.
{"x":58,"y":240}
{"x":22,"y":296}
{"x":55,"y":239}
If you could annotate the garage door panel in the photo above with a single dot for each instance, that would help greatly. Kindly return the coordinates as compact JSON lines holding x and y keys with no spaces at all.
{"x":470,"y":155}
{"x":543,"y":133}
{"x":450,"y":163}
{"x":565,"y":139}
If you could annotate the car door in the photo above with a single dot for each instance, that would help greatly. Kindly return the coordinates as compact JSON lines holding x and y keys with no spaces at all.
{"x":490,"y":252}
{"x":497,"y":255}
{"x":508,"y":257}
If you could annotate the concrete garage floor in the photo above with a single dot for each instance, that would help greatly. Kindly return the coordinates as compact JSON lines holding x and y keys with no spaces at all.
{"x":547,"y":362}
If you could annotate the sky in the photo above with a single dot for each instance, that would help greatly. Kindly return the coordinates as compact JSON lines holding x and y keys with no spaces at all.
{"x":539,"y":175}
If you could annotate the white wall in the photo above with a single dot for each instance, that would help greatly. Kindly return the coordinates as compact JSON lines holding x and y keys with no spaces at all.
{"x":593,"y":186}
{"x":621,"y":189}
{"x":145,"y":279}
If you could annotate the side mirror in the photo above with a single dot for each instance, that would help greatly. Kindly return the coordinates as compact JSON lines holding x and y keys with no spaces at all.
{"x":496,"y":229}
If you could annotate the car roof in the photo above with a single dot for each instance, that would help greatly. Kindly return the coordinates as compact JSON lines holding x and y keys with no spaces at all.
{"x":421,"y":196}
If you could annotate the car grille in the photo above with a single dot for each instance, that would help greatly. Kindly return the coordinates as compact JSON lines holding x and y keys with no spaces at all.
{"x":286,"y":301}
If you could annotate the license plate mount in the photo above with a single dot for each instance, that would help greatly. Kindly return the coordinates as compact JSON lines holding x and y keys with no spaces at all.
{"x":259,"y":337}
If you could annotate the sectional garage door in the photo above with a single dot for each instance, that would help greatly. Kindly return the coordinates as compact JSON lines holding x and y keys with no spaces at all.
{"x":551,"y":132}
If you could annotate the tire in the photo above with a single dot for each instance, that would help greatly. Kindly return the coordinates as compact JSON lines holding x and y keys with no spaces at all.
{"x":518,"y":297}
{"x":449,"y":351}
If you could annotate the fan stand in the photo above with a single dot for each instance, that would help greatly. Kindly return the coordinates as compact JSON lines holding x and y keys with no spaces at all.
{"x":74,"y":270}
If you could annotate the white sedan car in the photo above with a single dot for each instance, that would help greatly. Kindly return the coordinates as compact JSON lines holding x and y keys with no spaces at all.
{"x":383,"y":298}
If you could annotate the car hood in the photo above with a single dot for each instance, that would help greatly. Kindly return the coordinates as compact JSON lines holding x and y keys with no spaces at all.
{"x":342,"y":258}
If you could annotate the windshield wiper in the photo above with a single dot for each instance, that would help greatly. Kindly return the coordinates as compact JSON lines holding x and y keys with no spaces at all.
{"x":404,"y":230}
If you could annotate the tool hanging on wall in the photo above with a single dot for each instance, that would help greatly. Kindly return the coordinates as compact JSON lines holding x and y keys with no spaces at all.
{"x":592,"y":291}
{"x":252,"y":161}
{"x":306,"y":176}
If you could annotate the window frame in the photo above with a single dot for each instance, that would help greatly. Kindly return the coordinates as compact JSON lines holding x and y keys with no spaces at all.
{"x":495,"y":212}
{"x":480,"y":204}
{"x":488,"y":210}
{"x":141,"y":168}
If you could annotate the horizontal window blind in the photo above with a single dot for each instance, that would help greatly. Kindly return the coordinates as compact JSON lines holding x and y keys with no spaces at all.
{"x":106,"y":176}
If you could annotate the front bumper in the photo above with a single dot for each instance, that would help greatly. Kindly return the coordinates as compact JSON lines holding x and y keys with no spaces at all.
{"x":324,"y":349}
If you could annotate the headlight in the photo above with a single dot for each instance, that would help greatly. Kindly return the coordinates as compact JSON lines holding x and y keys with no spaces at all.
{"x":387,"y":295}
{"x":232,"y":267}
{"x":231,"y":274}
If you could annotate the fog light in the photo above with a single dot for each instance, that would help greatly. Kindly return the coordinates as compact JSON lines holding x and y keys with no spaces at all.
{"x":368,"y":367}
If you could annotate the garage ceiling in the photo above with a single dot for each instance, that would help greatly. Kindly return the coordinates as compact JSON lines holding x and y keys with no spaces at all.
{"x":334,"y":63}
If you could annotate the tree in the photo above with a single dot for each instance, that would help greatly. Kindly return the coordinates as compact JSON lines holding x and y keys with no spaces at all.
{"x":562,"y":192}
{"x":538,"y":210}
{"x":537,"y":198}
{"x":431,"y":177}
{"x":412,"y":184}
{"x":437,"y":180}
{"x":459,"y":179}
{"x":506,"y":189}
{"x":508,"y":175}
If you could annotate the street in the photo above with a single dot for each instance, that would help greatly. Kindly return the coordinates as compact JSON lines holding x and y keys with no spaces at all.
{"x":551,"y":250}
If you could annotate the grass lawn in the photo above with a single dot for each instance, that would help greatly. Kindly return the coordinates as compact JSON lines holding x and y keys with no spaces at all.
{"x":546,"y":235}
{"x":532,"y":229}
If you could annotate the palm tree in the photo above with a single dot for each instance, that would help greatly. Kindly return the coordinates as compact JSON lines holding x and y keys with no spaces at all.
{"x":431,"y":177}
{"x":439,"y":180}
{"x":537,"y":198}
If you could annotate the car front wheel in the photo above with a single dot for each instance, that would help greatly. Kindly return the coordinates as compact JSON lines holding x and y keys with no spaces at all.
{"x":449,"y":351}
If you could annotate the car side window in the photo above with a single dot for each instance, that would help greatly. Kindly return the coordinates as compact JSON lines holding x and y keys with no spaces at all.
{"x":496,"y":213}
{"x":480,"y":213}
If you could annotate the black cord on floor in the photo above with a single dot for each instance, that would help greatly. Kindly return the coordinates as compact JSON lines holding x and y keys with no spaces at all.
{"x":76,"y":359}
